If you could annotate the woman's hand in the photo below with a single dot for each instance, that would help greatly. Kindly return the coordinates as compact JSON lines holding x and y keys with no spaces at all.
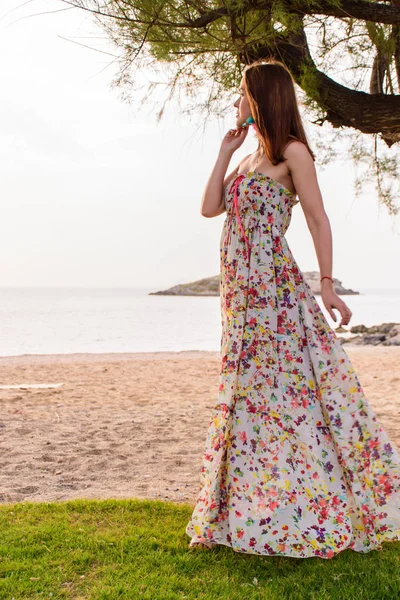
{"x":234,"y":139}
{"x":331,"y":300}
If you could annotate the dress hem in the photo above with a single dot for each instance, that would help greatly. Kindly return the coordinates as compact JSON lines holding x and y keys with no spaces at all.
{"x":378,"y":547}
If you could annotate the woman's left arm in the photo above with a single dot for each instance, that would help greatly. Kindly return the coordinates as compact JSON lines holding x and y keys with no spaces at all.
{"x":304,"y":176}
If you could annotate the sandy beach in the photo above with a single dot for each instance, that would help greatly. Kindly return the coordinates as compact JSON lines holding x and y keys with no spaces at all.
{"x":131,"y":425}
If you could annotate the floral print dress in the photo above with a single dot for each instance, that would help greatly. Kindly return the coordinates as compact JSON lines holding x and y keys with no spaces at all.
{"x":295,"y":462}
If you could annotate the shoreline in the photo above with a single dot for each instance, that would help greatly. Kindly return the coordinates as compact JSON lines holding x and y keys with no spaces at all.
{"x":106,"y":356}
{"x":131,"y":425}
{"x":156,"y":354}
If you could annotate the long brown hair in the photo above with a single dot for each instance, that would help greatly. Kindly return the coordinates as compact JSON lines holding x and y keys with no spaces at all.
{"x":273,"y":104}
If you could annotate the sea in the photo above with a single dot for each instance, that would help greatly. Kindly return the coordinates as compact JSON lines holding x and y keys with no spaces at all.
{"x":96,"y":320}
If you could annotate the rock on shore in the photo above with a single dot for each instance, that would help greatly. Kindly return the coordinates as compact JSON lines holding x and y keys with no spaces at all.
{"x":210,"y":286}
{"x":385,"y":334}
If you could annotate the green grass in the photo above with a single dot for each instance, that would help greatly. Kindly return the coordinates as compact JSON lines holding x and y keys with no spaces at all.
{"x":120,"y":549}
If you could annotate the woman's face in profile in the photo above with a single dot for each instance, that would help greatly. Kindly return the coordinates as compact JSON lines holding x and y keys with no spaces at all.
{"x":242,"y":105}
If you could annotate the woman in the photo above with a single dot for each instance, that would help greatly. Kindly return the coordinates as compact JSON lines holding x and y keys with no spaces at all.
{"x":295,"y":462}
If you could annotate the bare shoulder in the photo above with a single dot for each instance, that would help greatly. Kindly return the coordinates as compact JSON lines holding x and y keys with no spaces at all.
{"x":228,"y":178}
{"x":297,"y":150}
{"x":237,"y":170}
{"x":243,"y":162}
{"x":299,"y":161}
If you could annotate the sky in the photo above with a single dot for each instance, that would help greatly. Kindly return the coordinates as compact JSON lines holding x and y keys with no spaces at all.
{"x":95,"y":192}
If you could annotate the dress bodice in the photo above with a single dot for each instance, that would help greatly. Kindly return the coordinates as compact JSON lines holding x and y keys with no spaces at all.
{"x":260,"y":198}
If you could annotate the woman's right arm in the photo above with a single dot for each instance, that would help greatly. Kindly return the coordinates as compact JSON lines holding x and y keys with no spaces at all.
{"x":212,"y":202}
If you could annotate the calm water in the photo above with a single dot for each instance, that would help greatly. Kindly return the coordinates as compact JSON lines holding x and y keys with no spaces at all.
{"x":67,"y":320}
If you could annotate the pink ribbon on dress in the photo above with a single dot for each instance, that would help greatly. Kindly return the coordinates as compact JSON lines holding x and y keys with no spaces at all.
{"x":235,"y":184}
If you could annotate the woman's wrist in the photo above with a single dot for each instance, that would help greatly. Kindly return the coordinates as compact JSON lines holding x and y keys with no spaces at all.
{"x":326,"y":282}
{"x":225,"y":154}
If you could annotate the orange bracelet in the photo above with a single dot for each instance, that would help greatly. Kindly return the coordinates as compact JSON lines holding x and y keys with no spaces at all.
{"x":326,"y":277}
